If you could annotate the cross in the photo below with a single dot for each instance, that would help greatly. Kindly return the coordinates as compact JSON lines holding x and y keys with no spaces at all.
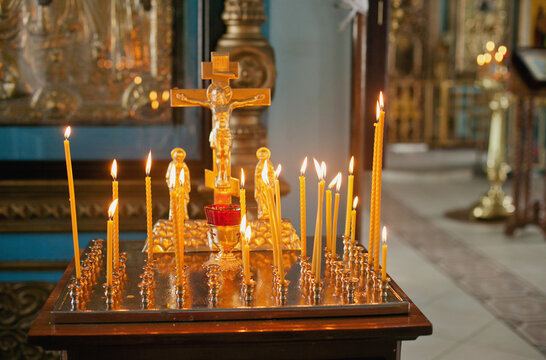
{"x":221,"y":99}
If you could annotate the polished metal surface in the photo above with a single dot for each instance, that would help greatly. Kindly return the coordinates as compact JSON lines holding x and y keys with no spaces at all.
{"x":161,"y":302}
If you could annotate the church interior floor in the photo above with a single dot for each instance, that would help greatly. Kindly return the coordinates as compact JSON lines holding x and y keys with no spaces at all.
{"x":483,"y":291}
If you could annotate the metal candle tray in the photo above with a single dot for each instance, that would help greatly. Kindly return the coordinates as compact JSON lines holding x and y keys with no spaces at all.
{"x":229,"y":305}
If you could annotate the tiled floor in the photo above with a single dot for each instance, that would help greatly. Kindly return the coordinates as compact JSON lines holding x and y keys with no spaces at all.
{"x":481,"y":316}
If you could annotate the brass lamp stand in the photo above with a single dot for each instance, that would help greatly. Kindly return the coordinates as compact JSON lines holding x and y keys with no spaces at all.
{"x":496,"y":204}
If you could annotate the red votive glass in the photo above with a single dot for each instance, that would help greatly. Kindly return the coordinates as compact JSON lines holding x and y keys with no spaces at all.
{"x":223,"y":214}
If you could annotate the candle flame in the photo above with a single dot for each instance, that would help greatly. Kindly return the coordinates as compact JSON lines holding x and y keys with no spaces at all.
{"x":67,"y":132}
{"x":480,"y":60}
{"x":384,"y":235}
{"x":318,"y":169}
{"x":338,"y":182}
{"x":242,"y":179}
{"x":355,"y":202}
{"x":303,"y":167}
{"x":381,"y":103}
{"x":323,"y":170}
{"x":278,"y":171}
{"x":248,"y":233}
{"x":503,"y":50}
{"x":265,"y":178}
{"x":114,"y":170}
{"x":181,"y":177}
{"x":333,"y":183}
{"x":242,"y":227}
{"x":351,"y":165}
{"x":490,"y":45}
{"x":172,"y":178}
{"x":377,"y":111}
{"x":149,"y":163}
{"x":487,"y":58}
{"x":112,"y":209}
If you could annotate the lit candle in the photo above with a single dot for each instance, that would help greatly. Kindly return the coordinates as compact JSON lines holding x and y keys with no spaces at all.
{"x":373,"y":193}
{"x":72,"y":202}
{"x":278,"y":197}
{"x":277,"y":248}
{"x":242,"y":232}
{"x":115,"y":196}
{"x":180,"y":218}
{"x":381,"y":125}
{"x":174,"y":213}
{"x":149,"y":235}
{"x":350,"y":182}
{"x":384,"y":253}
{"x":109,"y":241}
{"x":242,"y":194}
{"x":317,"y":251}
{"x":336,"y":206}
{"x":246,"y":264}
{"x":303,"y":220}
{"x":353,"y":223}
{"x":329,"y":215}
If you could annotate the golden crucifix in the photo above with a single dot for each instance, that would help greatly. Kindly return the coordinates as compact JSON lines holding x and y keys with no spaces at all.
{"x":221,"y":100}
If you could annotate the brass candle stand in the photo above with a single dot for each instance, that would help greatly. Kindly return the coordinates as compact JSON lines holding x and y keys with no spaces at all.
{"x":247,"y":291}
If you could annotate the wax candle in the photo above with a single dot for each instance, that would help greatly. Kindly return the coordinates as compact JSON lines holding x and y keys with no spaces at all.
{"x":336,"y":207}
{"x":72,"y":196}
{"x":242,"y":194}
{"x":384,"y":253}
{"x":381,"y":126}
{"x":242,"y":232}
{"x":372,"y":197}
{"x":115,"y":196}
{"x":278,"y":197}
{"x":176,"y":233}
{"x":317,"y":251}
{"x":329,"y":215}
{"x":109,"y":241}
{"x":303,"y":220}
{"x":353,"y":224}
{"x":180,"y":218}
{"x":148,"y":180}
{"x":275,"y":234}
{"x":246,"y":264}
{"x":350,"y":182}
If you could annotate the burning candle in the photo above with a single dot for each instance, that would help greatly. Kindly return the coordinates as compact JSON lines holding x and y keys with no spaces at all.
{"x":379,"y":170}
{"x":336,"y":206}
{"x":384,"y":253}
{"x":242,"y":194}
{"x":115,"y":196}
{"x":148,"y":180}
{"x":175,"y":222}
{"x":317,"y":251}
{"x":72,"y":202}
{"x":278,"y":197}
{"x":109,"y":241}
{"x":180,"y":218}
{"x":350,"y":182}
{"x":246,"y":264}
{"x":303,"y":220}
{"x":373,"y":194}
{"x":329,"y":215}
{"x":353,"y":223}
{"x":275,"y":237}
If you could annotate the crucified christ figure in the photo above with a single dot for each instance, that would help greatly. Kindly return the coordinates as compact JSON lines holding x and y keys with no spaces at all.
{"x":219,"y":96}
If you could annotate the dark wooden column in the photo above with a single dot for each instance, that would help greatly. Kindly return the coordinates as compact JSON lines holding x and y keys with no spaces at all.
{"x":370,"y":43}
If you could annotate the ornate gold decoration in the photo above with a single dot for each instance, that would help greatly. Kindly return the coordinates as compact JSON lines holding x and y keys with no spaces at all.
{"x":179,"y":155}
{"x":221,"y":100}
{"x":91,"y":61}
{"x":247,"y":46}
{"x":263,"y":154}
{"x":195,"y":236}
